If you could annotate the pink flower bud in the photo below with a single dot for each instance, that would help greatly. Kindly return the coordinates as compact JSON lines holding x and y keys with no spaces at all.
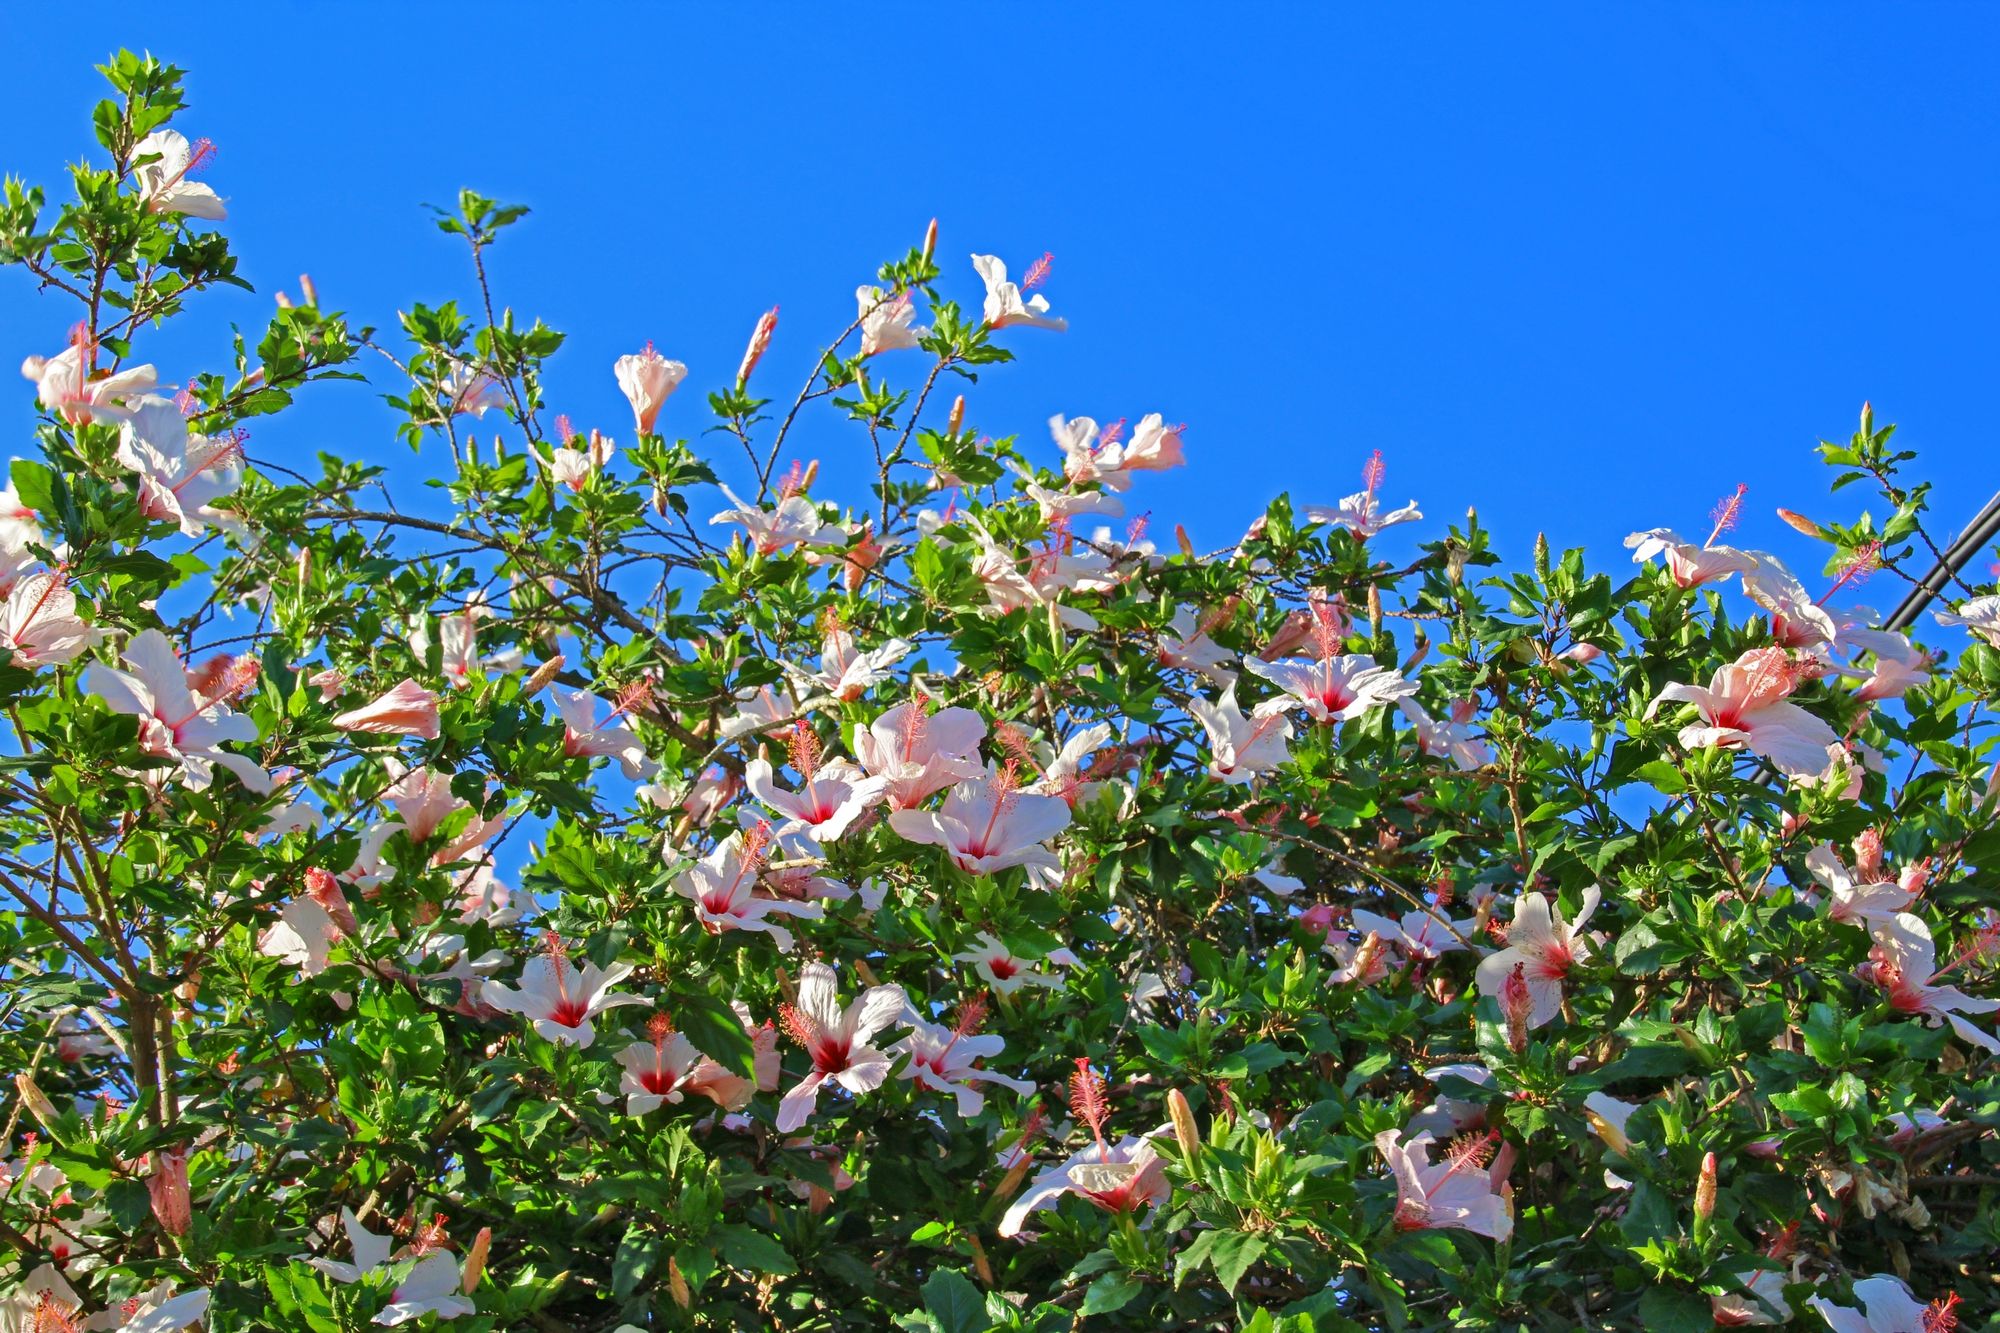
{"x":1704,"y":1189}
{"x":168,"y":1186}
{"x":1517,"y":1005}
{"x":760,"y":339}
{"x":407,"y":710}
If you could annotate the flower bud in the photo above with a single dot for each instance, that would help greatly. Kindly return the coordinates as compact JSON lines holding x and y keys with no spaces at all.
{"x":1183,"y":1117}
{"x":305,"y":567}
{"x":168,"y":1186}
{"x":930,"y":240}
{"x":660,"y":500}
{"x":307,"y":290}
{"x":956,"y":420}
{"x":760,"y":338}
{"x":38,"y":1104}
{"x":1800,"y":523}
{"x":1704,"y":1190}
{"x":475,"y":1260}
{"x":1517,"y":1005}
{"x":677,"y":1285}
{"x":544,"y":673}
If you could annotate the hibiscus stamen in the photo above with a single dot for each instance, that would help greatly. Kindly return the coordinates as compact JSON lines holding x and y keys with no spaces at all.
{"x":1373,"y":472}
{"x":804,"y":746}
{"x":1087,"y":1100}
{"x":1864,"y":560}
{"x":1941,"y":1316}
{"x":431,"y":1237}
{"x":916,"y":721}
{"x":1038,"y":272}
{"x":52,"y":1316}
{"x":1109,"y":436}
{"x":794,"y":481}
{"x":1726,"y":512}
{"x":797,"y":1025}
{"x":200,"y":155}
{"x":1135,"y":531}
{"x":564,"y":431}
{"x":1471,"y":1152}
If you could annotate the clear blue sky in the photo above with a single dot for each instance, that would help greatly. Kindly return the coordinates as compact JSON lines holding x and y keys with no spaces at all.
{"x":1586,"y":267}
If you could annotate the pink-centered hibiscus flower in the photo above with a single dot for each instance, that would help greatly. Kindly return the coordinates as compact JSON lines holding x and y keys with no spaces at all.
{"x":1904,"y":964}
{"x":1744,"y":706}
{"x":1337,"y":687}
{"x":832,"y":793}
{"x":181,"y":474}
{"x":559,"y":999}
{"x":583,"y":734}
{"x":407,"y":710}
{"x":722,"y":887}
{"x":795,"y":521}
{"x":1888,"y":1307}
{"x":918,"y":753}
{"x":164,"y":181}
{"x":1006,"y":972}
{"x":1005,"y":306}
{"x":887,"y":322}
{"x":1860,"y":899}
{"x":836,"y":1040}
{"x":946,"y":1059}
{"x":64,"y":383}
{"x":647,"y":380}
{"x":1461,"y":1191}
{"x":173,"y":723}
{"x":1544,"y":947}
{"x":1242,"y":747}
{"x":1692,"y":565}
{"x":666,"y":1067}
{"x":39,"y":624}
{"x":990,"y":824}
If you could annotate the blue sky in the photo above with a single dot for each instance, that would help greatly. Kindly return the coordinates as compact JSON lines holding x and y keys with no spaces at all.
{"x":1587,"y":268}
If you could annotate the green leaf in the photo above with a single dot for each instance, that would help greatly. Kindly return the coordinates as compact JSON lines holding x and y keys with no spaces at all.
{"x":1665,"y":1310}
{"x":716,"y":1032}
{"x":751,"y":1251}
{"x":637,"y":1252}
{"x":954,"y":1303}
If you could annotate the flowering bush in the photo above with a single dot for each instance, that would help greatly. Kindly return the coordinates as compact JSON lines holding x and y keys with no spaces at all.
{"x":593,"y":898}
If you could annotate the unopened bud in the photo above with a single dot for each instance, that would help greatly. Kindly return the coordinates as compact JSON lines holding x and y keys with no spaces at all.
{"x":1800,"y":523}
{"x":760,"y":339}
{"x":677,"y":1285}
{"x":1374,"y":609}
{"x":1182,"y":540}
{"x":1542,"y":556}
{"x":1364,"y":957}
{"x":1417,"y":653}
{"x":956,"y":420}
{"x":930,"y":240}
{"x":39,"y":1106}
{"x":1704,"y":1190}
{"x":660,"y":500}
{"x":305,"y":567}
{"x":1517,"y":1006}
{"x":1454,"y":563}
{"x":812,"y":471}
{"x":980,"y":1264}
{"x":1183,"y":1118}
{"x":475,"y":1260}
{"x":284,"y":302}
{"x":1867,"y":419}
{"x":306,"y":289}
{"x":544,"y":673}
